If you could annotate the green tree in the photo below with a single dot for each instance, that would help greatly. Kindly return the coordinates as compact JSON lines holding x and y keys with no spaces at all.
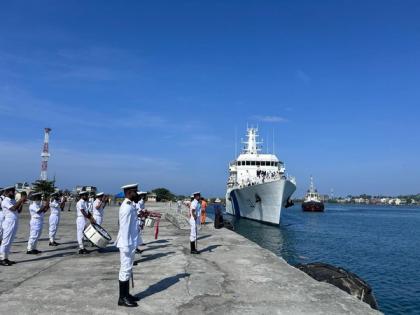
{"x":44,"y":186}
{"x":163,"y":194}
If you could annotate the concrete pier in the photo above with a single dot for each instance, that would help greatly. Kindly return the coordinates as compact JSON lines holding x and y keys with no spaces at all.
{"x":231,"y":276}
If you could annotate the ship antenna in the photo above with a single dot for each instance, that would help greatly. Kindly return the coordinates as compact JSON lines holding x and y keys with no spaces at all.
{"x":274,"y":152}
{"x":312,"y":184}
{"x":236,"y":142}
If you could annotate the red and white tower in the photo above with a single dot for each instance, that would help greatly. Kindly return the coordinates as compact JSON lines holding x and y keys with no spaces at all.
{"x":45,"y":155}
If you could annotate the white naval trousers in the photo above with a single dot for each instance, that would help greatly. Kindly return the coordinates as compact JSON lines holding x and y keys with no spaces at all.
{"x":98,"y":218}
{"x":54,"y":220}
{"x":10,"y":226}
{"x":139,"y":239}
{"x":35,"y":232}
{"x":1,"y":224}
{"x":126,"y":259}
{"x":193,"y":233}
{"x":81,"y":223}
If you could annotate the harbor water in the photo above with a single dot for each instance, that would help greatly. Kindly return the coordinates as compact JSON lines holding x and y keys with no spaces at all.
{"x":381,"y":244}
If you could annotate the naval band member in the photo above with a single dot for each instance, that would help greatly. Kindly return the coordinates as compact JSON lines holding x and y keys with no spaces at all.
{"x":11,"y":210}
{"x":98,"y":208}
{"x":56,"y":205}
{"x":194,"y":221}
{"x":141,"y":217}
{"x":37,"y":211}
{"x":127,"y":243}
{"x":83,"y":216}
{"x":2,"y":196}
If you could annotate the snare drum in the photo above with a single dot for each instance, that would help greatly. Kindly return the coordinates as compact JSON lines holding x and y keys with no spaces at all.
{"x":97,"y":235}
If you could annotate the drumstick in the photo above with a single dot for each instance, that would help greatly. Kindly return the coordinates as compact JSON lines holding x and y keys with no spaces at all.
{"x":132,"y":279}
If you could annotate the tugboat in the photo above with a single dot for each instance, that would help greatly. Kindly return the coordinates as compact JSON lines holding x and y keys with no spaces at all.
{"x":312,"y":201}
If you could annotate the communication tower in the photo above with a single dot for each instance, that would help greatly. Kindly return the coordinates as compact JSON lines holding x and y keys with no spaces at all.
{"x":45,"y":155}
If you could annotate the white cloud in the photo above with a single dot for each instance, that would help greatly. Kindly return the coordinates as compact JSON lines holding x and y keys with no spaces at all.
{"x":21,"y":162}
{"x":303,"y":76}
{"x":270,"y":119}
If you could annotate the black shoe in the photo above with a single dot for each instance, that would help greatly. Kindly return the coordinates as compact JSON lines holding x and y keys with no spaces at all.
{"x":54,"y":243}
{"x":138,"y":251}
{"x":36,"y":252}
{"x":3,"y":262}
{"x":124,"y":299}
{"x":83,"y":251}
{"x":30,"y":252}
{"x":51,"y":244}
{"x":9,"y":262}
{"x":193,"y":250}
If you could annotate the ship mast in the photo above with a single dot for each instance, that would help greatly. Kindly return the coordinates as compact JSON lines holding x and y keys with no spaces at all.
{"x":252,"y":145}
{"x":312,"y":188}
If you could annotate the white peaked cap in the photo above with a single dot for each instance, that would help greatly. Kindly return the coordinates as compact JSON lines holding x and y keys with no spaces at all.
{"x":83,"y":192}
{"x":100,"y":194}
{"x":130,"y":186}
{"x":9,"y":187}
{"x":196,"y":193}
{"x":142,"y":192}
{"x":36,"y":194}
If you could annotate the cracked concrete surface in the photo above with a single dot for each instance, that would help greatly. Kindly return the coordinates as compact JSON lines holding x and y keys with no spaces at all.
{"x":231,"y":276}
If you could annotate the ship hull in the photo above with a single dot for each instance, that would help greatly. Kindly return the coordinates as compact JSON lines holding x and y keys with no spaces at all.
{"x":312,"y":206}
{"x":260,"y":202}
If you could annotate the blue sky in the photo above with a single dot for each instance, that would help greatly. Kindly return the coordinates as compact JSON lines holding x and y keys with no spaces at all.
{"x":152,"y":91}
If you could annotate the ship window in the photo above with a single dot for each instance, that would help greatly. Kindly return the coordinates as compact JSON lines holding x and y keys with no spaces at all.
{"x":258,"y":163}
{"x":248,"y":163}
{"x":252,"y":162}
{"x":262,"y":163}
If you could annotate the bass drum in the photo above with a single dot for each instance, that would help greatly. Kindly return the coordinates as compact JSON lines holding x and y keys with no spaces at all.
{"x":97,"y":235}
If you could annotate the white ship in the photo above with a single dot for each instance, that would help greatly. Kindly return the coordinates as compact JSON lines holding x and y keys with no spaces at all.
{"x":258,"y":187}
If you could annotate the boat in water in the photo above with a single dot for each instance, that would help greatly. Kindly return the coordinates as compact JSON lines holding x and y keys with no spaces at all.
{"x":258,"y":187}
{"x":312,"y":201}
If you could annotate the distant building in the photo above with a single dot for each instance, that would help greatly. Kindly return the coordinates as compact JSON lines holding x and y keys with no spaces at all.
{"x":22,"y":187}
{"x":86,"y":188}
{"x":152,"y":197}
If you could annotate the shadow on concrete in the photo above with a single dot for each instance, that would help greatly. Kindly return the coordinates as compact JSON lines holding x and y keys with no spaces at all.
{"x":109,"y":249}
{"x":57,"y":248}
{"x":67,"y":243}
{"x":204,"y":237}
{"x":162,"y":285}
{"x":152,"y":257}
{"x":26,"y":241}
{"x":155,"y":247}
{"x":157,"y":242}
{"x":209,"y":248}
{"x":40,"y":258}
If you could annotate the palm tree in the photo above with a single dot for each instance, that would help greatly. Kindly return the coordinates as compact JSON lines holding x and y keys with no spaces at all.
{"x":44,"y":186}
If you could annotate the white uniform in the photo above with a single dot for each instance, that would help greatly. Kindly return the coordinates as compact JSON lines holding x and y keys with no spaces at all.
{"x":36,"y":223}
{"x":127,"y":238}
{"x":81,"y":221}
{"x":54,"y":219}
{"x":90,"y":205}
{"x":140,"y":206}
{"x":10,"y":225}
{"x":98,"y":214}
{"x":1,"y":218}
{"x":193,"y":223}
